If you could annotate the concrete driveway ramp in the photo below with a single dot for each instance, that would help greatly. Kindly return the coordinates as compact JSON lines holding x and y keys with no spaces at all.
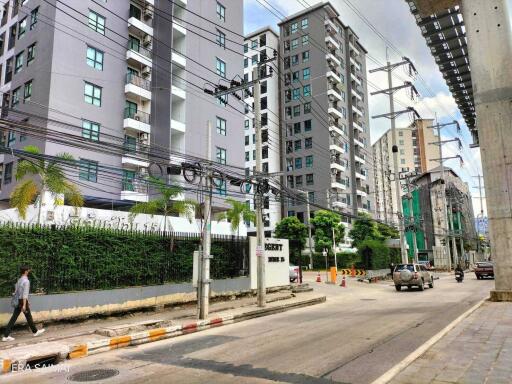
{"x":33,"y":356}
{"x":125,"y":329}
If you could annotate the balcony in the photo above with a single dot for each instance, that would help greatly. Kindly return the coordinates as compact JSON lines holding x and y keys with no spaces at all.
{"x":361,"y":191}
{"x":331,"y":42}
{"x":336,"y":146}
{"x":178,"y":28}
{"x":137,"y":121}
{"x":137,"y":87}
{"x":178,"y":59}
{"x":134,"y":191}
{"x":338,"y":183}
{"x":339,"y":204}
{"x":330,"y":27}
{"x":359,"y":158}
{"x":332,"y":59}
{"x":358,"y":141}
{"x":138,"y":54}
{"x":140,"y":26}
{"x":360,"y":174}
{"x":178,"y":126}
{"x":135,"y":154}
{"x":338,"y":165}
{"x":337,"y":129}
{"x":179,"y":92}
{"x":353,"y":48}
{"x":356,"y":79}
{"x":357,"y":126}
{"x":333,"y":77}
{"x":334,"y":94}
{"x":335,"y":111}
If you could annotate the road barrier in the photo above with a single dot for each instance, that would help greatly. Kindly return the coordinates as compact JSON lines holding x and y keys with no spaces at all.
{"x":352,"y":272}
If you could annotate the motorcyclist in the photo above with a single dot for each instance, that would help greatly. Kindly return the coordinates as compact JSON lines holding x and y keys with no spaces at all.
{"x":459,"y":270}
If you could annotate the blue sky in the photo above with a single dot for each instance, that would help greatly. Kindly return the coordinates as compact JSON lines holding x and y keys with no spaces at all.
{"x":392,"y":19}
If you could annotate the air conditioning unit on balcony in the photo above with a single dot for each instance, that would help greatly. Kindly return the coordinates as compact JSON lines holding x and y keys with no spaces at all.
{"x":144,"y":138}
{"x":137,"y":117}
{"x":328,"y":29}
{"x":147,"y":40}
{"x":148,"y":12}
{"x":331,"y":97}
{"x":146,"y":71}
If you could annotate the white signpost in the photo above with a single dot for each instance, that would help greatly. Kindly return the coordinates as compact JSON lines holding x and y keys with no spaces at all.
{"x":277,"y":262}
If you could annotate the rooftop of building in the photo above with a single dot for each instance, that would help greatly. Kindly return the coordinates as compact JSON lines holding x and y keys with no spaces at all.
{"x":259,"y":31}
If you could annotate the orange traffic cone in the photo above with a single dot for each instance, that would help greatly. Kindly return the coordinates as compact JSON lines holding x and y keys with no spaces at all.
{"x":343,"y":283}
{"x":318,"y":278}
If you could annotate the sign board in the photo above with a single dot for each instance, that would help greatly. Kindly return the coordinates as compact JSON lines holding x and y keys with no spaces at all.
{"x":277,"y":255}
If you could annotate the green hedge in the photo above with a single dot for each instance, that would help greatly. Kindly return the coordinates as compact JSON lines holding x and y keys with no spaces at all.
{"x":70,"y":258}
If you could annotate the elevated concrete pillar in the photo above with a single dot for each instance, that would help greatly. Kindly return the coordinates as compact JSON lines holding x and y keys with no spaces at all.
{"x":490,"y":51}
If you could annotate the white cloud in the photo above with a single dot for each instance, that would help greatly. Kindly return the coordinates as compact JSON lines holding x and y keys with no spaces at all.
{"x":442,"y":103}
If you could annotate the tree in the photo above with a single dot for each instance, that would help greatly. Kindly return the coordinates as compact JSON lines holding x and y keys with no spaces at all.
{"x":374,"y":254}
{"x":164,"y":204}
{"x":387,"y":232}
{"x":325,"y":222}
{"x":364,"y":227}
{"x":296,"y":232}
{"x":51,"y":179}
{"x":238,"y":213}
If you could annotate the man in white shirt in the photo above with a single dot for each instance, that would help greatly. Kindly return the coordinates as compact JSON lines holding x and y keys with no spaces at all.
{"x":20,"y":304}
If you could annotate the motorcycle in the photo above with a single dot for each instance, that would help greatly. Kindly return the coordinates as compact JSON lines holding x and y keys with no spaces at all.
{"x":459,"y":276}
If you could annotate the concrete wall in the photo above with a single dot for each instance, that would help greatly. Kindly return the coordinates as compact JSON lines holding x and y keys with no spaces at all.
{"x":86,"y":303}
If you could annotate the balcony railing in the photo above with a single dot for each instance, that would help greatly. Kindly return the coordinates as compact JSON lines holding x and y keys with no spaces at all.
{"x":143,"y":117}
{"x":138,"y":81}
{"x":136,"y":47}
{"x":135,"y":186}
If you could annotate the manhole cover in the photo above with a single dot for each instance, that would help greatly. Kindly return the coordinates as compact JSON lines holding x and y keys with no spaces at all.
{"x":93,"y":375}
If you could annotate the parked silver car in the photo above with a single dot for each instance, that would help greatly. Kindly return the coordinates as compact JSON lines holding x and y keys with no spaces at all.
{"x":412,"y":275}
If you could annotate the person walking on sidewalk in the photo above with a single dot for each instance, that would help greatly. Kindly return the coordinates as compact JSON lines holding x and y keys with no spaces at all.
{"x":20,"y":304}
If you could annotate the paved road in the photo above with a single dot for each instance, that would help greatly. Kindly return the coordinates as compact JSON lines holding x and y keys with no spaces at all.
{"x":360,"y":333}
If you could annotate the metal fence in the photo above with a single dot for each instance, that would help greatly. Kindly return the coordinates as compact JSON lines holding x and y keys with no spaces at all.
{"x":67,"y":259}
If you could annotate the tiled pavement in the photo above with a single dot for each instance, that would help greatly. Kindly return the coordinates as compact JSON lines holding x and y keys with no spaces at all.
{"x":476,"y":351}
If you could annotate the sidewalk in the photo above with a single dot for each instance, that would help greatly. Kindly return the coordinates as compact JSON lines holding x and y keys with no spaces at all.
{"x":476,"y":351}
{"x":95,"y":336}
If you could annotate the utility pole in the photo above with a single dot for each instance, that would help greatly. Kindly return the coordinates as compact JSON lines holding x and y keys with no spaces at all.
{"x":392,"y":116}
{"x":260,"y":236}
{"x":334,"y":250}
{"x":441,"y":160}
{"x":480,"y":217}
{"x":205,"y":254}
{"x":259,"y":73}
{"x":308,"y":214}
{"x":411,"y":220}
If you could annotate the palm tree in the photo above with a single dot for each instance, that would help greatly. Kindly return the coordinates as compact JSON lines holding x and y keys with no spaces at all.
{"x":238,"y":212}
{"x":165,"y":204}
{"x":51,"y":179}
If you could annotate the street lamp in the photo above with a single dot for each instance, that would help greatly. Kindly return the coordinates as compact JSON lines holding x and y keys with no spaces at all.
{"x":324,"y":252}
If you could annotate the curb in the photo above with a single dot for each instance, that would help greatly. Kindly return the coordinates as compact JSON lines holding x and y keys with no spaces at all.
{"x":391,"y":373}
{"x":143,"y":337}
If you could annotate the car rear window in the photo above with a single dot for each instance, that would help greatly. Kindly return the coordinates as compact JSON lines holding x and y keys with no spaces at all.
{"x":401,"y":267}
{"x":485,"y":265}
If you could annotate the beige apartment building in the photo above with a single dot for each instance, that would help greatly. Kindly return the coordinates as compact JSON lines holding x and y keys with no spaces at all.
{"x":415,"y":153}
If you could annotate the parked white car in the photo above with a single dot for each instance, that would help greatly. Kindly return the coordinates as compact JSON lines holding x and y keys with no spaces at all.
{"x":294,"y":273}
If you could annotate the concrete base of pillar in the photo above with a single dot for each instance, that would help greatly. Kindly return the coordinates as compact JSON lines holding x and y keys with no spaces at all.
{"x":501,"y":295}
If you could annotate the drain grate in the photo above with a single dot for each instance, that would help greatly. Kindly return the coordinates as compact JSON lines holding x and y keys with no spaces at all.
{"x":93,"y":375}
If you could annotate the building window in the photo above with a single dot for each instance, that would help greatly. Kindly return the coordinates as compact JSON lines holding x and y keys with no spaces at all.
{"x":305,"y":56}
{"x":247,"y":154}
{"x":16,"y":97}
{"x":254,"y":59}
{"x":246,"y":124}
{"x":246,"y":62}
{"x":296,"y":128}
{"x":295,"y":59}
{"x":400,"y":133}
{"x":246,"y":140}
{"x":221,"y":126}
{"x":305,"y":40}
{"x":402,"y":161}
{"x":222,"y":189}
{"x":11,"y":139}
{"x":92,"y":94}
{"x":8,"y":173}
{"x":295,"y":77}
{"x":246,"y":47}
{"x":221,"y":155}
{"x":22,"y":28}
{"x":307,"y":126}
{"x":221,"y":39}
{"x":401,"y":142}
{"x":298,"y":163}
{"x":306,"y":73}
{"x":307,"y":108}
{"x":297,"y":145}
{"x":31,"y":53}
{"x":18,"y":63}
{"x":309,"y":179}
{"x":296,"y":110}
{"x":95,"y":58}
{"x":308,"y":143}
{"x":221,"y":11}
{"x":304,"y":23}
{"x":311,"y":197}
{"x":264,"y":152}
{"x":27,"y":91}
{"x":309,"y":161}
{"x":295,"y":27}
{"x":88,"y":170}
{"x":295,"y":43}
{"x":296,"y":94}
{"x":90,"y":130}
{"x":402,"y":151}
{"x":221,"y":68}
{"x":298,"y":181}
{"x":33,"y":18}
{"x":96,"y":22}
{"x":306,"y":90}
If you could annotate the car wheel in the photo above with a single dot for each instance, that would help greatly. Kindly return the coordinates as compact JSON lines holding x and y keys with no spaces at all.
{"x":478,"y":277}
{"x":431,"y":284}
{"x":422,"y":285}
{"x":398,"y":287}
